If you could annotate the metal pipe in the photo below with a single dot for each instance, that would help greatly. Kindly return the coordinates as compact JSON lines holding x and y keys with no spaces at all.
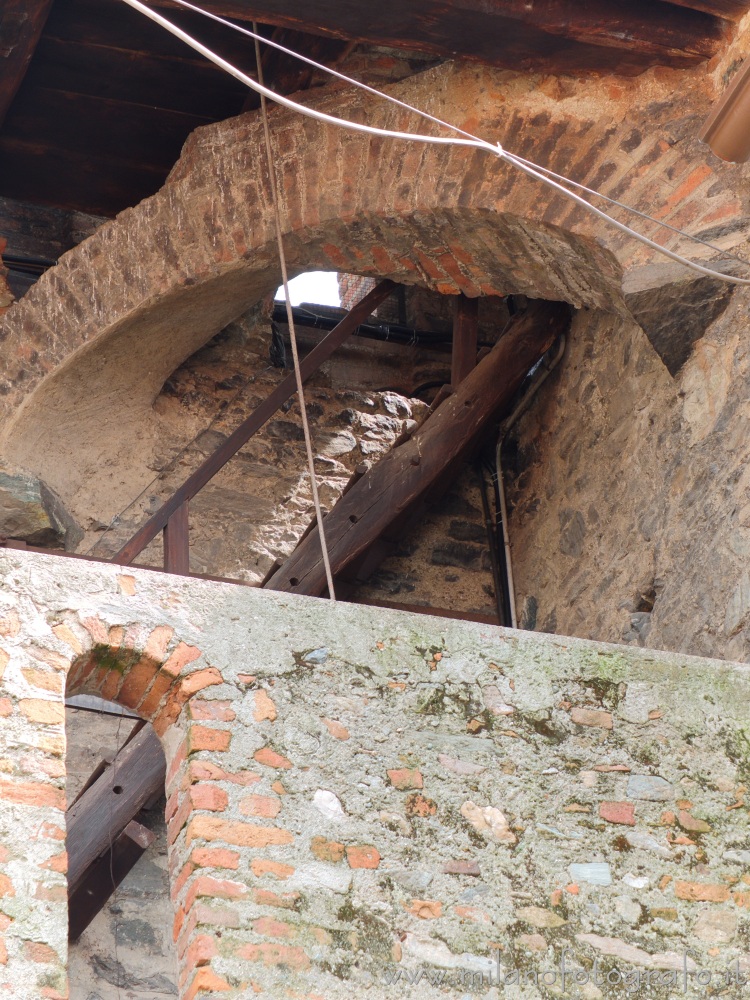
{"x":543,"y":371}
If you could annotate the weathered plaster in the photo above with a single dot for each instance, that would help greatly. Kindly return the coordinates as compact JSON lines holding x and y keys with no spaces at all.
{"x":352,"y":792}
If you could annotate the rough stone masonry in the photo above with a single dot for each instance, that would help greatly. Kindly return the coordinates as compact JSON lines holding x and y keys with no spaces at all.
{"x":357,"y":797}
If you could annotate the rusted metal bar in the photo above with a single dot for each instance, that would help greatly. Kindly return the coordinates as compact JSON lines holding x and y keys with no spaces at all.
{"x":285,"y":390}
{"x":177,"y":541}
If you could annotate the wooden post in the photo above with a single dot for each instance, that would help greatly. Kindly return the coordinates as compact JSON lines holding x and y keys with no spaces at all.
{"x":177,"y":542}
{"x":393,"y":489}
{"x":465,"y":336}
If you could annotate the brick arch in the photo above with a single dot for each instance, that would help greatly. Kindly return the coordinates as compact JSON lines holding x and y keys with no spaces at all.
{"x":146,"y":669}
{"x":89,"y":347}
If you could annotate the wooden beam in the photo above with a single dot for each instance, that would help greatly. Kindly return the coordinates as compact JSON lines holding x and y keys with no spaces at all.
{"x":287,"y":75}
{"x":177,"y":541}
{"x":401,"y":479}
{"x":283,"y":391}
{"x":41,"y":232}
{"x":100,"y":815}
{"x":585,"y":34}
{"x":103,"y":877}
{"x":420,"y":609}
{"x":465,"y":336}
{"x":21,"y":24}
{"x":731,"y":10}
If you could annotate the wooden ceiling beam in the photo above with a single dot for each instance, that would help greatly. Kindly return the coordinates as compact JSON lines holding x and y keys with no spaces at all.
{"x":504,"y":32}
{"x":21,"y":24}
{"x":730,"y":10}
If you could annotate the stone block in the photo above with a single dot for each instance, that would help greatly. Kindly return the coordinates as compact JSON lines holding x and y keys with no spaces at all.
{"x":31,"y":512}
{"x":674,"y":307}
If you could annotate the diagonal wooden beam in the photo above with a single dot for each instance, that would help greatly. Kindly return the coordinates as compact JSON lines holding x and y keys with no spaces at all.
{"x":104,"y":875}
{"x":21,"y":24}
{"x":283,"y":391}
{"x":390,"y":492}
{"x":98,"y":817}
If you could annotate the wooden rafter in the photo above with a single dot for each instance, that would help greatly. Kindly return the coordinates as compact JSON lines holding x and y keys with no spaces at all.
{"x":502,"y":32}
{"x":391,"y":493}
{"x":21,"y":24}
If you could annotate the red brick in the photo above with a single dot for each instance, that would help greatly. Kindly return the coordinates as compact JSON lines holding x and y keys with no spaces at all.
{"x":264,"y":897}
{"x":212,"y":711}
{"x":44,"y":679}
{"x":592,"y":717}
{"x":270,"y":927}
{"x":215,"y":857}
{"x":48,"y":713}
{"x":264,"y":866}
{"x":405,"y":778}
{"x":362,"y":856}
{"x":699,"y":892}
{"x":32,"y":793}
{"x":239,"y":834}
{"x":136,"y":683}
{"x":155,"y":648}
{"x":201,"y":951}
{"x":261,"y":805}
{"x":286,"y":956}
{"x":618,"y":812}
{"x":180,"y":657}
{"x":327,"y":850}
{"x":214,"y":888}
{"x":270,"y":758}
{"x":206,"y":981}
{"x":208,"y":797}
{"x":425,"y":909}
{"x":265,"y":709}
{"x":203,"y":738}
{"x":35,"y":951}
{"x":338,"y":731}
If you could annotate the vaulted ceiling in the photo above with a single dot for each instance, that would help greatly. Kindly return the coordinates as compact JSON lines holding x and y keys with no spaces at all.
{"x":96,"y":101}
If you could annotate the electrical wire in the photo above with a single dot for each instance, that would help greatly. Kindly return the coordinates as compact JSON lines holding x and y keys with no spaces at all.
{"x":292,"y":332}
{"x":542,"y":174}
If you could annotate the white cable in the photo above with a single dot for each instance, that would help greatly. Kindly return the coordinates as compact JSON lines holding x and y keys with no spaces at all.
{"x":474,"y":142}
{"x":454,"y":128}
{"x":293,"y":335}
{"x":287,"y":103}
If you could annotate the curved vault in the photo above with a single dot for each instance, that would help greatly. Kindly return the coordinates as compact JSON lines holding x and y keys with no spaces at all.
{"x":87,"y":350}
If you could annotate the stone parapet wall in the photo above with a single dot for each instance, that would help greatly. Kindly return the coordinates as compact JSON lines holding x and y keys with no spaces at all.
{"x":355,"y":796}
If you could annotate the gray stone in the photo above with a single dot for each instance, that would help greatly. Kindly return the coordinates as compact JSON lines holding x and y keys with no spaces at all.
{"x":737,"y":857}
{"x":572,"y":533}
{"x":674,"y":308}
{"x":649,"y":787}
{"x":31,"y":512}
{"x":630,"y":911}
{"x":637,"y":838}
{"x":593,"y":872}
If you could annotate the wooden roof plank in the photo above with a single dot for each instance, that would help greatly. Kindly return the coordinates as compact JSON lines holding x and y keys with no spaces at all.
{"x":501,"y":32}
{"x":731,"y":10}
{"x":21,"y":25}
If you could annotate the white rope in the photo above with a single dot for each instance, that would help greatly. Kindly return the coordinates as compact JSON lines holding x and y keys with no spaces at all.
{"x":546,"y":176}
{"x":292,"y":332}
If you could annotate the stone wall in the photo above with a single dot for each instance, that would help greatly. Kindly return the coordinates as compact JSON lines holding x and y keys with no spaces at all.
{"x":355,"y":796}
{"x":629,"y":482}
